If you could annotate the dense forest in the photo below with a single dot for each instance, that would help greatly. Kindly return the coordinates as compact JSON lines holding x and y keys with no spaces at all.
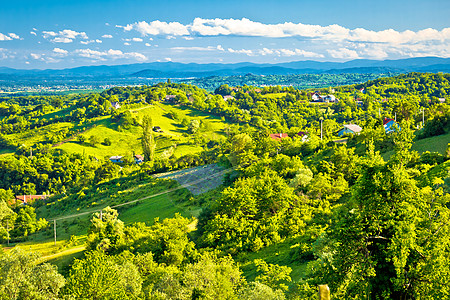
{"x":367,"y":214}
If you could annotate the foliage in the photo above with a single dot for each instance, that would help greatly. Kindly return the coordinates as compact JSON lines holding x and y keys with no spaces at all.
{"x":22,"y":277}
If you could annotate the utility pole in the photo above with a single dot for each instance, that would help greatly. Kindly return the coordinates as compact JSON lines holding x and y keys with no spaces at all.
{"x":423,"y":117}
{"x":54,"y":229}
{"x":379,"y":112}
{"x":101,"y":215}
{"x":321,"y":135}
{"x":31,"y":152}
{"x":7,"y":230}
{"x":395,"y":119}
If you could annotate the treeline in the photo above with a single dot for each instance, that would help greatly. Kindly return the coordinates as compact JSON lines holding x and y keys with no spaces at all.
{"x":298,"y":81}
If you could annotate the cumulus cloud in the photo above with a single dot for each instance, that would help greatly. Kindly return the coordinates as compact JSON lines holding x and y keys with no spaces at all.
{"x":343,"y":53}
{"x":33,"y":33}
{"x":64,"y":36}
{"x":90,"y":42}
{"x":14,"y":36}
{"x":109,"y":54}
{"x":133,"y":40}
{"x":241,"y":51}
{"x":290,"y":52}
{"x":60,"y":51}
{"x":209,"y":48}
{"x":35,"y":56}
{"x":157,"y":28}
{"x":246,"y":27}
{"x":4,"y":37}
{"x":107,"y":36}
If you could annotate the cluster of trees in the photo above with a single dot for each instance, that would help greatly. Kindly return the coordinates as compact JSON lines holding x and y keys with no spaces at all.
{"x":367,"y":227}
{"x":297,"y":81}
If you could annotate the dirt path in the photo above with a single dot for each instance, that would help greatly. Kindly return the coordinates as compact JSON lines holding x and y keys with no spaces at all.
{"x":63,"y":253}
{"x":197,"y":174}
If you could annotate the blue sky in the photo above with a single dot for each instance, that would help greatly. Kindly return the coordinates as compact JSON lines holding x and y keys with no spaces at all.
{"x":61,"y":34}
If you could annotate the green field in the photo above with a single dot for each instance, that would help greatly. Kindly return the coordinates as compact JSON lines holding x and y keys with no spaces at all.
{"x":432,"y":144}
{"x":125,"y":142}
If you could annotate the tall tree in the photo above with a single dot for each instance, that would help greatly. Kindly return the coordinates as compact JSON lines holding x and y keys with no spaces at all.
{"x":391,"y":240}
{"x":148,"y":141}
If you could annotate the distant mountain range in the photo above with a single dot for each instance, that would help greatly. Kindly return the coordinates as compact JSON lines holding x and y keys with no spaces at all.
{"x":180,"y":70}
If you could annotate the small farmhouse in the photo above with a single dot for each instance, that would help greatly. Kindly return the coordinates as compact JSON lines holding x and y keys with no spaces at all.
{"x":390,"y":125}
{"x":227,"y":97}
{"x":115,"y":105}
{"x":316,"y":97}
{"x":349,"y":129}
{"x":138,"y":159}
{"x":303,"y":135}
{"x":27,"y":199}
{"x":278,"y":136}
{"x":116,"y":159}
{"x":170,"y":98}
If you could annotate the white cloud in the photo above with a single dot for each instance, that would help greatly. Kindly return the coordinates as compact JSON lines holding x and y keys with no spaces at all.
{"x":35,"y":56}
{"x":157,"y":28}
{"x":33,"y":33}
{"x":110,"y":54}
{"x":147,"y":44}
{"x":4,"y":37}
{"x":107,"y":36}
{"x":242,"y":51}
{"x":343,"y":53}
{"x":246,"y":27}
{"x":133,"y":40}
{"x":64,"y":36}
{"x":127,"y":44}
{"x":14,"y":36}
{"x":60,"y":51}
{"x":209,"y":48}
{"x":90,"y":42}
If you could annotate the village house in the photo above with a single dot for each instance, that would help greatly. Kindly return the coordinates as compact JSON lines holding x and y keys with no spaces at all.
{"x":138,"y":159}
{"x":316,"y":97}
{"x":170,"y":98}
{"x":349,"y":129}
{"x":278,"y":136}
{"x":26,"y":199}
{"x":227,"y":97}
{"x":390,"y":125}
{"x":116,"y":159}
{"x":115,"y":105}
{"x":303,"y":135}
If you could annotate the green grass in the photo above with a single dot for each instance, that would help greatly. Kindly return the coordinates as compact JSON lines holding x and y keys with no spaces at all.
{"x":279,"y":254}
{"x":106,"y":194}
{"x":127,"y":141}
{"x":274,"y":96}
{"x":433,"y":144}
{"x":41,"y":134}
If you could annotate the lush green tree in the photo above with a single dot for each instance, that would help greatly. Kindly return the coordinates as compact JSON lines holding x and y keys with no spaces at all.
{"x":194,"y":126}
{"x":100,"y":277}
{"x":148,"y":141}
{"x":22,"y":277}
{"x":387,"y":239}
{"x":106,"y":230}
